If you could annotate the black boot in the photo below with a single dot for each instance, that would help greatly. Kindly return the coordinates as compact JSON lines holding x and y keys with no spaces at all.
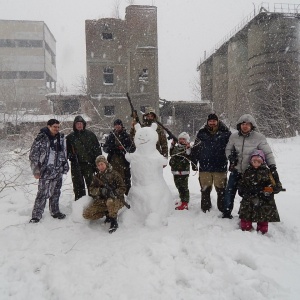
{"x":220,"y":199}
{"x":227,"y":215}
{"x":205,"y":200}
{"x":107,"y":218}
{"x":34,"y":220}
{"x":59,"y":215}
{"x":113,"y":225}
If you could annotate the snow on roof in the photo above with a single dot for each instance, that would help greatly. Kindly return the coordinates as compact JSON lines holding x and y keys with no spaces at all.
{"x":20,"y":118}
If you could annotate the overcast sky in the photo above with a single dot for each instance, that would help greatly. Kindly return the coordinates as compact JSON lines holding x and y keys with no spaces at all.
{"x":186,"y":28}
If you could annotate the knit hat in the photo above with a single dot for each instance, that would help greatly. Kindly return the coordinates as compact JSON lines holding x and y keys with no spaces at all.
{"x":149,"y":110}
{"x":101,"y":158}
{"x":212,"y":117}
{"x":184,"y":135}
{"x":118,"y":122}
{"x":259,"y":153}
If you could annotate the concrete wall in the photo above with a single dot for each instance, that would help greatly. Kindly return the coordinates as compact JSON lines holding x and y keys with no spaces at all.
{"x":257,"y":72}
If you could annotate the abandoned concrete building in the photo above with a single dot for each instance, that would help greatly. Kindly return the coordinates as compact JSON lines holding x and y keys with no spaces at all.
{"x":27,"y":63}
{"x":121,"y":57}
{"x":256,"y":70}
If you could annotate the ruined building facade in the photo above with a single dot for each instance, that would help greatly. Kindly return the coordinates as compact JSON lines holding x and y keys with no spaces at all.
{"x":257,"y":71}
{"x":121,"y":57}
{"x":27,"y":63}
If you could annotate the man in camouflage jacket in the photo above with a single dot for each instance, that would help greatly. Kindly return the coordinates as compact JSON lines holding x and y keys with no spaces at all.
{"x":48,"y":162}
{"x":117,"y":143}
{"x":107,"y":190}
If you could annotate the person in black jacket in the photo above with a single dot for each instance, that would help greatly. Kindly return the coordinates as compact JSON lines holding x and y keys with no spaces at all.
{"x":117,"y":143}
{"x":209,"y":152}
{"x":83,"y":148}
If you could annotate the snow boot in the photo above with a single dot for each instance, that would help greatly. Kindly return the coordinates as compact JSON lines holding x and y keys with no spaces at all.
{"x":205,"y":200}
{"x":220,"y":199}
{"x":113,"y":225}
{"x":34,"y":220}
{"x":182,"y":206}
{"x":227,"y":215}
{"x":107,"y":218}
{"x":59,"y":215}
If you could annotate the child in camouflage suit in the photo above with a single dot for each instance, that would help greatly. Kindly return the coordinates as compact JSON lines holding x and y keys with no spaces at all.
{"x":107,"y":190}
{"x":180,"y":167}
{"x":257,"y":189}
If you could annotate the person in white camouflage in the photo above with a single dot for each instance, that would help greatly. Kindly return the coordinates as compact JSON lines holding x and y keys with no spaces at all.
{"x":48,"y":162}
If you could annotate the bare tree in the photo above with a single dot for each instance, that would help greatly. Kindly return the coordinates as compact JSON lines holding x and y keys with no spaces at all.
{"x":116,"y":9}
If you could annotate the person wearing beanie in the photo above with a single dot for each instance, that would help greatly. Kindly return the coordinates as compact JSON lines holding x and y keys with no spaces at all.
{"x":238,"y":150}
{"x":256,"y":187}
{"x":148,"y":118}
{"x":117,"y":143}
{"x":107,"y":189}
{"x":180,"y":168}
{"x":82,"y":147}
{"x":48,"y":161}
{"x":208,"y":157}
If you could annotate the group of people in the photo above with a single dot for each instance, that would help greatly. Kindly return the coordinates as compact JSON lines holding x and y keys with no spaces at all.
{"x":252,"y":169}
{"x":251,"y":164}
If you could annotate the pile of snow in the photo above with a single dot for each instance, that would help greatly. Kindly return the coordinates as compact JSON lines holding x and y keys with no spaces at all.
{"x":191,"y":256}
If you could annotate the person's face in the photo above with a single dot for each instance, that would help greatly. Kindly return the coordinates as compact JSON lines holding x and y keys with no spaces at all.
{"x":212,"y":123}
{"x":150,"y":116}
{"x":256,"y":162}
{"x":182,"y":141}
{"x":54,"y":129}
{"x":101,"y":166}
{"x":246,"y":127}
{"x":118,"y":127}
{"x":79,"y":126}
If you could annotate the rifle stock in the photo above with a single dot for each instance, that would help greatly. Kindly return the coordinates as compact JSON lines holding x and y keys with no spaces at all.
{"x":134,"y":114}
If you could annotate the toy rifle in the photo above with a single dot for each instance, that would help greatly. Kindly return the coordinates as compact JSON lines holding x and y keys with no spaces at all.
{"x":105,"y":184}
{"x":170,"y":134}
{"x":134,"y":114}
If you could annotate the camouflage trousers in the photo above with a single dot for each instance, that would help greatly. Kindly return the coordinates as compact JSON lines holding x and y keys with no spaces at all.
{"x":47,"y":188}
{"x":181,"y":183}
{"x":100,"y":207}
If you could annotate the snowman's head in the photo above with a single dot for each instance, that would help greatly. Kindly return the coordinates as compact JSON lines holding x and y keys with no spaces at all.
{"x":146,"y":137}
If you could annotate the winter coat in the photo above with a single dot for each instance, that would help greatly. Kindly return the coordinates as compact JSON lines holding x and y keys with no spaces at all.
{"x":241,"y":146}
{"x":162,"y":143}
{"x":48,"y":156}
{"x":209,"y":149}
{"x":180,"y":160}
{"x":84,"y":144}
{"x":112,"y":145}
{"x":111,"y":179}
{"x":255,"y":205}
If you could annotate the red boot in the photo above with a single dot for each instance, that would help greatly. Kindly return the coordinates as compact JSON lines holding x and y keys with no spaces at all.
{"x":182,"y":206}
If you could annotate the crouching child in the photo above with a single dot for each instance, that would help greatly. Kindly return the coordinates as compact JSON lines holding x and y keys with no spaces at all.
{"x":107,"y":190}
{"x":257,"y":188}
{"x":180,"y":167}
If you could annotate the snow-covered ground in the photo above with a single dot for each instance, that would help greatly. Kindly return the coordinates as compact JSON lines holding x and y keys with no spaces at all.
{"x":194,"y":256}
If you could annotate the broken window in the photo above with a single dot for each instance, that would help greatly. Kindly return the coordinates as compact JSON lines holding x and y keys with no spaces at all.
{"x":143,"y":76}
{"x":109,"y":110}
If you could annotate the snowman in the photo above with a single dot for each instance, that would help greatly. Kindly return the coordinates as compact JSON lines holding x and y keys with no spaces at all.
{"x":149,"y":196}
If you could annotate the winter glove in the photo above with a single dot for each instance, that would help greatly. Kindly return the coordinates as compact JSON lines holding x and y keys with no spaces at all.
{"x":96,"y":183}
{"x":194,"y":167}
{"x":231,"y":167}
{"x":267,"y":191}
{"x":73,"y":158}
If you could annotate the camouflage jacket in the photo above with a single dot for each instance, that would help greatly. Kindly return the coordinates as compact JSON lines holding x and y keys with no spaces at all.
{"x":255,"y":205}
{"x":48,"y":156}
{"x":112,"y":181}
{"x":179,"y":162}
